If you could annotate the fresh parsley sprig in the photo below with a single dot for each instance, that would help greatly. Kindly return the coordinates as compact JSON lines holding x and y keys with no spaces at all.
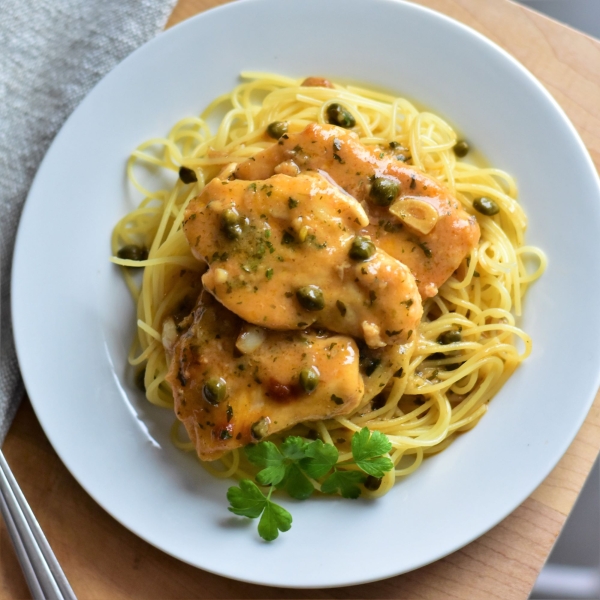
{"x":248,"y":501}
{"x":295,"y":465}
{"x":367,"y":450}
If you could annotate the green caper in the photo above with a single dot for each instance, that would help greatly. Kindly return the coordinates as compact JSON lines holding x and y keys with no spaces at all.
{"x":232,"y":224}
{"x":311,"y":298}
{"x":372,"y":483}
{"x":214,"y":390}
{"x":338,"y":115}
{"x":277,"y":129}
{"x":309,"y":379}
{"x":133,"y":252}
{"x":486,"y":206}
{"x":383,"y":191}
{"x":450,"y":337}
{"x":187,"y":175}
{"x":461,"y":148}
{"x":260,"y":429}
{"x":362,"y":248}
{"x":369,"y":364}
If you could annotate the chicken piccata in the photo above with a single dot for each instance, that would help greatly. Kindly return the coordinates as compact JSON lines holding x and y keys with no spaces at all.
{"x":319,"y":251}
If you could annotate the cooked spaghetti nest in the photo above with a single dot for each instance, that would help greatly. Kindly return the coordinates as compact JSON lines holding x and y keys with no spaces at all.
{"x":443,"y":391}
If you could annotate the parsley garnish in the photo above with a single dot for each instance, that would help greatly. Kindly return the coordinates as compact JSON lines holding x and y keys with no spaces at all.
{"x":346,"y":482}
{"x":426,"y":249}
{"x":367,"y":448}
{"x":336,"y":399}
{"x":296,"y":466}
{"x":248,"y":501}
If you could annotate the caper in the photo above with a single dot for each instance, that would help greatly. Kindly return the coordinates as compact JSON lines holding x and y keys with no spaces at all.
{"x":232,"y":224}
{"x":362,"y":248}
{"x":338,"y":115}
{"x":486,"y":206}
{"x":260,"y":429}
{"x":369,"y":364}
{"x":311,"y":298}
{"x":450,"y":337}
{"x":372,"y":483}
{"x":277,"y":129}
{"x":461,"y":148}
{"x":187,"y":175}
{"x":214,"y":390}
{"x":140,"y":380}
{"x":133,"y":252}
{"x":383,"y":191}
{"x":309,"y":379}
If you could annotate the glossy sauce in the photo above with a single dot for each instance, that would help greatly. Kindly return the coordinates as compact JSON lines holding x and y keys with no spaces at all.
{"x":263,"y":393}
{"x":297,"y":232}
{"x":431,"y":257}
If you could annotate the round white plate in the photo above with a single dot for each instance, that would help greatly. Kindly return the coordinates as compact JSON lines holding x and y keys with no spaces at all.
{"x":73,"y":318}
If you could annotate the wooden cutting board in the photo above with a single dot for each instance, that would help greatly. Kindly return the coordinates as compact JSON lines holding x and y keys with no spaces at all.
{"x":104,"y":560}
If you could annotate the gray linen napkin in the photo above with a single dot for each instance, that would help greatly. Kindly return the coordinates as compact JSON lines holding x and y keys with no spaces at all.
{"x":52,"y":52}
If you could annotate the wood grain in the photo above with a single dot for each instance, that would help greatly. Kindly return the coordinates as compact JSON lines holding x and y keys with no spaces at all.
{"x":104,"y":560}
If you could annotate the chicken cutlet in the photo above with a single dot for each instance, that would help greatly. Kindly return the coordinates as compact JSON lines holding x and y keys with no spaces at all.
{"x":412,"y":217}
{"x":285,"y":253}
{"x":235,"y":383}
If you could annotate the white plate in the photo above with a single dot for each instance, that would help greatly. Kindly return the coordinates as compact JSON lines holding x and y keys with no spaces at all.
{"x":73,"y":316}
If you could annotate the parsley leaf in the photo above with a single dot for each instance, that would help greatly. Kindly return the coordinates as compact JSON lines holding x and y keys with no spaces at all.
{"x":267,"y":456}
{"x":367,"y":448}
{"x":274,"y":519}
{"x":248,"y":501}
{"x":344,"y":481}
{"x":294,"y":447}
{"x":280,"y":466}
{"x":320,"y":459}
{"x":296,"y":484}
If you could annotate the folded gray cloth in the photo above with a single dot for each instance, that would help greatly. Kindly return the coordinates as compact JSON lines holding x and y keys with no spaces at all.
{"x":51,"y":54}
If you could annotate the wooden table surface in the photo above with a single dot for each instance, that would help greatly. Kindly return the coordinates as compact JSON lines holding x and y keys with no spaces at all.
{"x":102,"y":559}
